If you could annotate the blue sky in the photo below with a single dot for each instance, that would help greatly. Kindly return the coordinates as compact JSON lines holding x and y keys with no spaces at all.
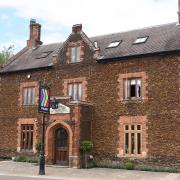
{"x":97,"y":17}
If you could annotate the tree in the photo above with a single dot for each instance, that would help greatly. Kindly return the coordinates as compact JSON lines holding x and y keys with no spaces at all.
{"x":5,"y":54}
{"x":85,"y":147}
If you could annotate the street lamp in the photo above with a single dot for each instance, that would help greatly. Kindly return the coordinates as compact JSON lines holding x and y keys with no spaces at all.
{"x":44,"y":107}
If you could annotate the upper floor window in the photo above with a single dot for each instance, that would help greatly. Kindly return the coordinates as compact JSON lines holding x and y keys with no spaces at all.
{"x":132,"y":88}
{"x":75,"y":91}
{"x":75,"y":54}
{"x":29,"y":96}
{"x":27,"y":136}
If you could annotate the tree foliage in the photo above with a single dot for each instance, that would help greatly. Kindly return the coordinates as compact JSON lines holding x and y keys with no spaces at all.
{"x":6,"y":53}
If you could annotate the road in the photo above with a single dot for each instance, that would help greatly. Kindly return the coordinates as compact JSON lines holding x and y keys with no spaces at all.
{"x":8,"y":177}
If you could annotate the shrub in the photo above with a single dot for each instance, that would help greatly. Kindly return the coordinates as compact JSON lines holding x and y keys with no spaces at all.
{"x":129,"y":165}
{"x":21,"y":159}
{"x":25,"y":159}
{"x":86,"y":145}
{"x":38,"y":147}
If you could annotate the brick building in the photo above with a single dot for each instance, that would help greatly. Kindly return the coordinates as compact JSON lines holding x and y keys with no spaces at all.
{"x":121,"y":91}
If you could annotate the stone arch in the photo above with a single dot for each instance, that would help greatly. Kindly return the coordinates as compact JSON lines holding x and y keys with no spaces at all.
{"x":50,"y":135}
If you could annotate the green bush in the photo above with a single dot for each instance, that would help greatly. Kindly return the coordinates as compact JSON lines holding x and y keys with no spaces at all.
{"x":25,"y":159}
{"x":129,"y":165}
{"x":21,"y":159}
{"x":158,"y":169}
{"x":86,"y":145}
{"x":38,"y":147}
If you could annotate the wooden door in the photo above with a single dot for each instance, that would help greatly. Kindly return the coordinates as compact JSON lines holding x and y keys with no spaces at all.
{"x":61,"y":149}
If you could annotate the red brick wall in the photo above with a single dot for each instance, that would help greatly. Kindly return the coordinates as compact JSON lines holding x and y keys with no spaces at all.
{"x":161,"y":108}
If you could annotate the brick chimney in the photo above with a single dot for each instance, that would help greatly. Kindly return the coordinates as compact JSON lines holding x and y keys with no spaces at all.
{"x":178,"y":11}
{"x":35,"y":34}
{"x":77,"y":28}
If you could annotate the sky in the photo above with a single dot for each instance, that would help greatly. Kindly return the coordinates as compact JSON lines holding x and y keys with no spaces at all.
{"x":98,"y":17}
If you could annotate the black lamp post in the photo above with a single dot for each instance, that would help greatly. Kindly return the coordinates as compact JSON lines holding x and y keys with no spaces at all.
{"x":44,"y":107}
{"x":42,"y":157}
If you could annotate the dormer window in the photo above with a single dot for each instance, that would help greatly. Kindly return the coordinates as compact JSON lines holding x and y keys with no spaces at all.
{"x":75,"y":54}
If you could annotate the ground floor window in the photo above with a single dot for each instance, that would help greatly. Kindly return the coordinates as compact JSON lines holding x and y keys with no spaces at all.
{"x":132,"y":134}
{"x":27,"y":131}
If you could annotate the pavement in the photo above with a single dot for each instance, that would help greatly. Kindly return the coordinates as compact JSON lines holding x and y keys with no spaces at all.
{"x":26,"y":171}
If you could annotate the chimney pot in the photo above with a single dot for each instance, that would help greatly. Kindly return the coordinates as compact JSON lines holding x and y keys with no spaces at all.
{"x":77,"y":28}
{"x":33,"y":21}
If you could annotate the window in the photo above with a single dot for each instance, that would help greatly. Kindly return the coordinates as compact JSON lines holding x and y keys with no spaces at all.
{"x":75,"y":91}
{"x":114,"y":44}
{"x":132,"y":88}
{"x":44,"y":55}
{"x":27,"y":136}
{"x":75,"y":54}
{"x":29,"y":96}
{"x":140,"y":40}
{"x":132,"y":134}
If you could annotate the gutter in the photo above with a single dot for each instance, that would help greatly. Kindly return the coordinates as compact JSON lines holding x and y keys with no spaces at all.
{"x":161,"y":53}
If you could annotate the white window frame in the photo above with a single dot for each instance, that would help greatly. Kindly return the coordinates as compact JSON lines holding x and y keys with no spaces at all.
{"x":75,"y":54}
{"x":138,"y":88}
{"x":75,"y":91}
{"x":28,"y":96}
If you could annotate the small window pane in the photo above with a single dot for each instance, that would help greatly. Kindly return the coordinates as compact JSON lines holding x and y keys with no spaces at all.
{"x":73,"y":57}
{"x":138,"y":88}
{"x":32,"y":95}
{"x":132,"y":82}
{"x":70,"y":90}
{"x":138,"y":127}
{"x":25,"y":96}
{"x":126,"y":127}
{"x":78,"y":49}
{"x":132,"y":127}
{"x":79,"y":91}
{"x":139,"y":143}
{"x":29,"y":95}
{"x":132,"y":91}
{"x":127,"y":143}
{"x":75,"y":92}
{"x":132,"y":144}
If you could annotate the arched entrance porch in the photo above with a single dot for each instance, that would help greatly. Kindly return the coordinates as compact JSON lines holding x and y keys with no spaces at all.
{"x":58,"y":147}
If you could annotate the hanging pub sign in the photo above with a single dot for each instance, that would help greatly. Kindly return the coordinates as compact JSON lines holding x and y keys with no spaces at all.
{"x":44,"y":99}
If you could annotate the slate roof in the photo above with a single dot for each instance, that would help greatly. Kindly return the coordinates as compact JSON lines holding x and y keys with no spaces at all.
{"x":163,"y":38}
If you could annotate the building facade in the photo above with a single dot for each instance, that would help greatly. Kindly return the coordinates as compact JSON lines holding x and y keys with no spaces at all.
{"x":121,"y":91}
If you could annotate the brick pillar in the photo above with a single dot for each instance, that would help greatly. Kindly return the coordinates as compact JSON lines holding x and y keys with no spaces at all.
{"x":75,"y":158}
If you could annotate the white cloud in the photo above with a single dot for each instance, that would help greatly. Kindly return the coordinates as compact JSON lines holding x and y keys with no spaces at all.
{"x":97,"y":16}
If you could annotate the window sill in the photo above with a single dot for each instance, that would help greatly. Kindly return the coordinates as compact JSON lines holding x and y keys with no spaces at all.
{"x":75,"y":101}
{"x":132,"y":100}
{"x":132,"y":157}
{"x":29,"y":105}
{"x":26,"y":151}
{"x":75,"y":62}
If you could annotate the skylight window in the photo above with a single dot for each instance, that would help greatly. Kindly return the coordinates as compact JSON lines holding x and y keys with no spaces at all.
{"x":44,"y":55}
{"x":141,"y":40}
{"x":114,"y":44}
